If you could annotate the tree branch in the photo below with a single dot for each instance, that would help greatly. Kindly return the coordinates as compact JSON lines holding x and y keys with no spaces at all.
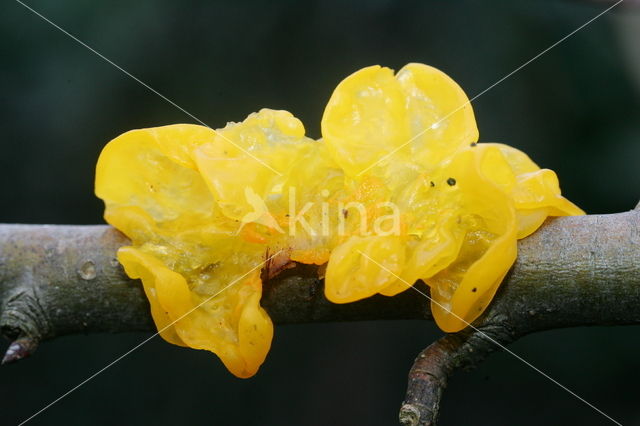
{"x":431,"y":370}
{"x":583,"y":270}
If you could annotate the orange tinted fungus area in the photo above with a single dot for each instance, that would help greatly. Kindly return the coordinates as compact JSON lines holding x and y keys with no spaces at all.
{"x":396,"y":191}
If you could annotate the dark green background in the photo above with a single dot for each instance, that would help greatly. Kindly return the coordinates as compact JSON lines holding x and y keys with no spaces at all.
{"x":574,"y":110}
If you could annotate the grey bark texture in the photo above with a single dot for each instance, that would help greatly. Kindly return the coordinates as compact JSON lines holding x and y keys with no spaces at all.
{"x":583,"y":270}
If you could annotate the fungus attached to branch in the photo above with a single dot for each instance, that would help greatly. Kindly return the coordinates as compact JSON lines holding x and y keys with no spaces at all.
{"x":204,"y":209}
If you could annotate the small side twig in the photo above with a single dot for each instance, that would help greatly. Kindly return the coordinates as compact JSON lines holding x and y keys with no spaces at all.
{"x":20,"y":348}
{"x":434,"y":365}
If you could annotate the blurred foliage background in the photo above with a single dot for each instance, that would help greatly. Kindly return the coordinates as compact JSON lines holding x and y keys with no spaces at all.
{"x":574,"y":110}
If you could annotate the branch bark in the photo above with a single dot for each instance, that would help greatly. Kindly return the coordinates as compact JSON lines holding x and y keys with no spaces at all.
{"x":574,"y":271}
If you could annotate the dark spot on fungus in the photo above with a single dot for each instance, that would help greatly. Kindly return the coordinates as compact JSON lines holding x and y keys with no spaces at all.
{"x":473,"y":144}
{"x":451,"y":181}
{"x":207,"y":269}
{"x":345,"y":213}
{"x":432,"y":184}
{"x":474,"y":289}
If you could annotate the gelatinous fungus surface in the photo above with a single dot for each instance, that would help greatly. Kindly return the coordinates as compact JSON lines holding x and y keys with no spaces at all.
{"x":397,"y":190}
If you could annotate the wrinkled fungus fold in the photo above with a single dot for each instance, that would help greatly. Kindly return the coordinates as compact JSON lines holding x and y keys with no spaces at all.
{"x":397,"y":190}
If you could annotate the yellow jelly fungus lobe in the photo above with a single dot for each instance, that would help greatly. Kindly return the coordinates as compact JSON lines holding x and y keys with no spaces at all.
{"x":397,"y":190}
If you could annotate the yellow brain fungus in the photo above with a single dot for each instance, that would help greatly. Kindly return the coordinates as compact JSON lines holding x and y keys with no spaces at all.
{"x":397,"y":191}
